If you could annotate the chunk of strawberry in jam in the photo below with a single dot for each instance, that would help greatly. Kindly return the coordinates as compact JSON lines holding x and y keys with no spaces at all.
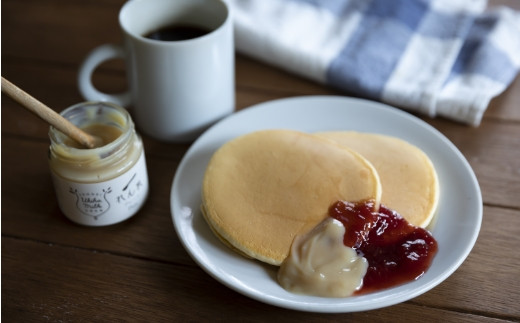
{"x":397,"y":252}
{"x":358,"y":219}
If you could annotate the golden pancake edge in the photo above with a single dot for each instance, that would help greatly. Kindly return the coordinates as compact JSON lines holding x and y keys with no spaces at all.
{"x":408,"y":177}
{"x":262,"y":189}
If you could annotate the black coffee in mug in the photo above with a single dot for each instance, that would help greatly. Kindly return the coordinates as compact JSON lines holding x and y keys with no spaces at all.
{"x":177,"y":32}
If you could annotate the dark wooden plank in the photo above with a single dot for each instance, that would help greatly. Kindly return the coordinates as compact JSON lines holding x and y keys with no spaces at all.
{"x":509,"y":3}
{"x":505,"y":106}
{"x":58,"y":31}
{"x":45,"y":282}
{"x":78,"y":35}
{"x":491,"y":150}
{"x":257,"y":75}
{"x":29,"y":211}
{"x":487,"y":282}
{"x":54,"y":86}
{"x":54,"y":270}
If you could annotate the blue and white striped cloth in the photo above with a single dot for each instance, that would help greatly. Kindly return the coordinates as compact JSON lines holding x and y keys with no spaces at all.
{"x":436,"y":57}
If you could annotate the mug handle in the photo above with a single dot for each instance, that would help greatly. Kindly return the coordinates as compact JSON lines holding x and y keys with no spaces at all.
{"x":94,"y":59}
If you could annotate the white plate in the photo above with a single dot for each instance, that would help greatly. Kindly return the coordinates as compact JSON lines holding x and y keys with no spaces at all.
{"x":456,"y":228}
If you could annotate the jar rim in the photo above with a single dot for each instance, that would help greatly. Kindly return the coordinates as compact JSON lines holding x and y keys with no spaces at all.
{"x":58,"y":138}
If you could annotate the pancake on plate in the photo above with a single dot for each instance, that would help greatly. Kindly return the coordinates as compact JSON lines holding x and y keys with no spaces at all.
{"x":408,"y":177}
{"x":262,"y":189}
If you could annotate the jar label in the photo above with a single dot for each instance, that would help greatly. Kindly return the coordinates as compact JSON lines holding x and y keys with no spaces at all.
{"x":103,"y":203}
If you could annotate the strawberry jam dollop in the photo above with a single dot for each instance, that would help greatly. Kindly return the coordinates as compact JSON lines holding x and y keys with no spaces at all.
{"x":396,"y":251}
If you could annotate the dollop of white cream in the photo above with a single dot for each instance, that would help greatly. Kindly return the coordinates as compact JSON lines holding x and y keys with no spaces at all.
{"x":320,"y":264}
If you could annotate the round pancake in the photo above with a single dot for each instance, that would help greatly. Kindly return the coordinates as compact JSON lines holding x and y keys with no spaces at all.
{"x":408,"y":177}
{"x":262,"y":189}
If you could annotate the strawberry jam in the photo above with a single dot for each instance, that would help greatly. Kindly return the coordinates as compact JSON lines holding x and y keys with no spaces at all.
{"x":396,"y":251}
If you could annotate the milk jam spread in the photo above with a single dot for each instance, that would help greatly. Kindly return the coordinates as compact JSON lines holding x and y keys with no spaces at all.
{"x":357,"y":250}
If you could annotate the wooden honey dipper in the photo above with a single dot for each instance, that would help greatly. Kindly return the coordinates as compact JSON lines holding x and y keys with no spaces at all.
{"x":50,"y":116}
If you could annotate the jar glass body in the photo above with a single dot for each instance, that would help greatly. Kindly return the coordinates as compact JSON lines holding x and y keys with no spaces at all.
{"x":105,"y":184}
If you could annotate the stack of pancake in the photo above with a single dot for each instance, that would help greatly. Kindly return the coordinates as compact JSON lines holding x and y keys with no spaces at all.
{"x":262,"y":189}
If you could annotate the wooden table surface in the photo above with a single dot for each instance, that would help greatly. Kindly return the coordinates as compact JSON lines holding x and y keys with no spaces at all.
{"x":57,"y":271}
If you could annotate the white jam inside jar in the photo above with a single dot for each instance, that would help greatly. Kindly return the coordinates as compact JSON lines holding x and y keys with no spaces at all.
{"x":106,"y":184}
{"x":320,"y":264}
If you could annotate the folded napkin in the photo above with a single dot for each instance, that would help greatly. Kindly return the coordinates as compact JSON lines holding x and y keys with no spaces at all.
{"x":436,"y":57}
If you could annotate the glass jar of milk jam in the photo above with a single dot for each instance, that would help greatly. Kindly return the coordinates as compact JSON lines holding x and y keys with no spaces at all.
{"x":106,"y":184}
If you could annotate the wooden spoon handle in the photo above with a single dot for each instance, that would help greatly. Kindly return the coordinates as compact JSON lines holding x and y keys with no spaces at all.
{"x":47,"y":114}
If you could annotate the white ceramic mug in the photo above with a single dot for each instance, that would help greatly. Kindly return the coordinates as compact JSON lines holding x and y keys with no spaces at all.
{"x":176,"y":88}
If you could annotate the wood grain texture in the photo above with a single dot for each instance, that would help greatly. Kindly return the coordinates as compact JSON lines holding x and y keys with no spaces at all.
{"x":48,"y":115}
{"x":138,"y":270}
{"x":93,"y":286}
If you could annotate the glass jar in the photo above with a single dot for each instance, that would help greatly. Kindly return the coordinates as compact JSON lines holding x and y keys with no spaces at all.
{"x":106,"y":184}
